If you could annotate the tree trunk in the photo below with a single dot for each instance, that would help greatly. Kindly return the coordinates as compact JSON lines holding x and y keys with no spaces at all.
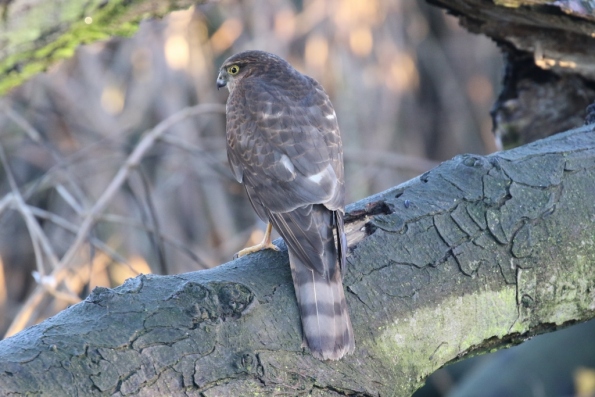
{"x":477,"y":254}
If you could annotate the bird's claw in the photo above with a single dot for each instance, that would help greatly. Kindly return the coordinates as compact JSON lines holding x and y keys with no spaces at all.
{"x":255,"y":248}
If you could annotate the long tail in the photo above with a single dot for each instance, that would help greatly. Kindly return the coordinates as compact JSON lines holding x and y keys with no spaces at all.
{"x":316,"y":258}
{"x":325,"y":318}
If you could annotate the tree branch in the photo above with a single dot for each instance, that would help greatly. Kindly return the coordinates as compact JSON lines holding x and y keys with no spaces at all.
{"x":474,"y":255}
{"x":36,"y":34}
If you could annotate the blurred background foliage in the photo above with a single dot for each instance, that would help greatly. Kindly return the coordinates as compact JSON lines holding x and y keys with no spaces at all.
{"x":410,"y":88}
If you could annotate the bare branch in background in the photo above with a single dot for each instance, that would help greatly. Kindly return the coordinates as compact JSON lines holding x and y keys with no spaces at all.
{"x":38,"y":237}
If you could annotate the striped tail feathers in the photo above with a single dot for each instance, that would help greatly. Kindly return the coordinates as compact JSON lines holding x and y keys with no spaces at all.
{"x":315,"y":258}
{"x":325,"y":318}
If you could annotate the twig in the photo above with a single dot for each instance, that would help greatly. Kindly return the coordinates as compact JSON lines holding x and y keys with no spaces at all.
{"x":36,"y":137}
{"x":37,"y":235}
{"x":68,"y":198}
{"x":71,"y":227}
{"x":212,"y":161}
{"x":199,"y":259}
{"x":154,"y":219}
{"x":389,"y":159}
{"x":22,"y":122}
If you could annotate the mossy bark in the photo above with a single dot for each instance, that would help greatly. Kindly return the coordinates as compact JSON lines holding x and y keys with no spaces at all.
{"x":36,"y":34}
{"x":475,"y":255}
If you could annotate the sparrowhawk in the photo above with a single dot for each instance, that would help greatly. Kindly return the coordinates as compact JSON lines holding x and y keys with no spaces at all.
{"x":283,"y":144}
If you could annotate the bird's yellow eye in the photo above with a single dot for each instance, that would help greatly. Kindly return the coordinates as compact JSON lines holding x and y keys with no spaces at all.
{"x":233,"y":69}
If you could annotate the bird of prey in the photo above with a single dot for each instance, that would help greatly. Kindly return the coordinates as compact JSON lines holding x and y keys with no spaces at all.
{"x":283,"y":144}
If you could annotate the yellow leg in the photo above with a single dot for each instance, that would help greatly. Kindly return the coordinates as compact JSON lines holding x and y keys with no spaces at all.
{"x":264,"y":244}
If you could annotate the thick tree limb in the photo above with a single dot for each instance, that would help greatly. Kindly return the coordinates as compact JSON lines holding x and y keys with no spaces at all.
{"x":479,"y":253}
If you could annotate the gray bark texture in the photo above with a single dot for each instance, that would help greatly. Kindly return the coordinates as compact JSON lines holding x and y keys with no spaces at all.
{"x":477,"y":254}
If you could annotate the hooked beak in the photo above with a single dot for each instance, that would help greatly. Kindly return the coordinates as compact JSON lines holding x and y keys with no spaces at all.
{"x":221,"y":82}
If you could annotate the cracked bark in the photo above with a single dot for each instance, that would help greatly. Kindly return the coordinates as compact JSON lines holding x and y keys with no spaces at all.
{"x":477,"y":254}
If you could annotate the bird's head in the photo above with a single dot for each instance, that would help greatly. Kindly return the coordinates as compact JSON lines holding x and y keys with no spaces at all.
{"x":249,"y":63}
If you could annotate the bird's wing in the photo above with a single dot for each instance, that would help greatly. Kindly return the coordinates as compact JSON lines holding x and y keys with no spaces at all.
{"x":284,"y":144}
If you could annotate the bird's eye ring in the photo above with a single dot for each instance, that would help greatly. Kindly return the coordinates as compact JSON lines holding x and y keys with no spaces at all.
{"x":233,"y":69}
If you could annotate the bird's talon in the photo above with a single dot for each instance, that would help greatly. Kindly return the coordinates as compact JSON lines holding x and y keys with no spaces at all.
{"x":264,"y":244}
{"x":255,"y":248}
